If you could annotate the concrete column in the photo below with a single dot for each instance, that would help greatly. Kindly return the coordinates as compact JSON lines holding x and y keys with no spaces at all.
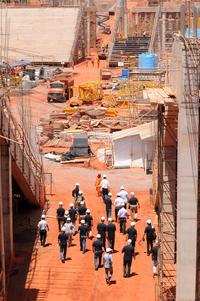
{"x":6,"y":197}
{"x":163,"y":32}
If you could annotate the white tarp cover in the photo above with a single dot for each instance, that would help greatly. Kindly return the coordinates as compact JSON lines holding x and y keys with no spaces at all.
{"x":134,"y":147}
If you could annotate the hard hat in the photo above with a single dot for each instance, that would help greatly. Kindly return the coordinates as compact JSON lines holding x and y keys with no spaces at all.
{"x":132,"y":193}
{"x":82,"y":221}
{"x":80,"y":192}
{"x":129,"y":241}
{"x":110,"y":194}
{"x":102,"y":218}
{"x":63,"y":229}
{"x":60,"y":203}
{"x":82,"y":203}
{"x":156,"y":242}
{"x":122,"y":187}
{"x":66,"y":212}
{"x":133,"y":223}
{"x":104,"y":176}
{"x":110,"y":219}
{"x":98,"y":235}
{"x":71,"y":205}
{"x":118,"y":194}
{"x":148,"y":221}
{"x":68,"y":219}
{"x":77,"y":184}
{"x":43,"y":216}
{"x":123,"y":204}
{"x":108,"y":250}
{"x":88,"y":211}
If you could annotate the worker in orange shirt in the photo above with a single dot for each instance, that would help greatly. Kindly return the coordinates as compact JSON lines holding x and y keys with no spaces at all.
{"x":97,"y":184}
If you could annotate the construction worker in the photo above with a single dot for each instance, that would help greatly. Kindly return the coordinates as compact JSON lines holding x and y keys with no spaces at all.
{"x":155,"y":258}
{"x":133,"y":205}
{"x":60,"y":215}
{"x":108,"y":203}
{"x":111,"y":228}
{"x":83,"y":229}
{"x":132,"y":234}
{"x":128,"y":255}
{"x":108,"y":265}
{"x":72,"y":214}
{"x":65,"y":217}
{"x":122,"y":216}
{"x":101,"y":228}
{"x":80,"y":198}
{"x":62,"y":241}
{"x":82,"y":211}
{"x":98,"y":251}
{"x":75,"y":192}
{"x":89,"y":223}
{"x":150,"y":236}
{"x":124,"y":195}
{"x":104,"y":186}
{"x":69,"y":230}
{"x":43,"y":227}
{"x":98,"y":184}
{"x":118,"y":204}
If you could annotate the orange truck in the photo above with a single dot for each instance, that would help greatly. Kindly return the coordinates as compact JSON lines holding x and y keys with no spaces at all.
{"x":60,"y":88}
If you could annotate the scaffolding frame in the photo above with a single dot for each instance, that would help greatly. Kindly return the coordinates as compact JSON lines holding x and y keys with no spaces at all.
{"x":167,"y":185}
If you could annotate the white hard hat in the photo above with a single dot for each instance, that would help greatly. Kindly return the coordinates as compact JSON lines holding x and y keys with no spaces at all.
{"x":43,"y":216}
{"x":108,"y":250}
{"x":68,"y":219}
{"x":110,"y":219}
{"x":104,"y":176}
{"x":82,"y":203}
{"x":122,"y":187}
{"x":80,"y":192}
{"x":156,"y":242}
{"x":77,"y":184}
{"x":71,"y":205}
{"x":110,"y":194}
{"x":60,"y":203}
{"x":132,"y":193}
{"x":148,"y":221}
{"x":63,"y":229}
{"x":133,"y":223}
{"x":82,"y":221}
{"x":98,"y":235}
{"x":88,"y":211}
{"x":123,"y":204}
{"x":66,"y":212}
{"x":118,"y":194}
{"x":102,"y":218}
{"x":129,"y":241}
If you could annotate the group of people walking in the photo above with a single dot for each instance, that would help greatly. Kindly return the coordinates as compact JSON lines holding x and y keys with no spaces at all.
{"x":78,"y":219}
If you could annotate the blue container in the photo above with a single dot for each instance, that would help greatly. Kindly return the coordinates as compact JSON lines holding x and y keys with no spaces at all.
{"x":125,"y":73}
{"x":148,"y":61}
{"x":190,"y":34}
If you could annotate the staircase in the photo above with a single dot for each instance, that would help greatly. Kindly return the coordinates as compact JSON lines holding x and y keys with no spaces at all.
{"x":26,"y":169}
{"x":122,"y":49}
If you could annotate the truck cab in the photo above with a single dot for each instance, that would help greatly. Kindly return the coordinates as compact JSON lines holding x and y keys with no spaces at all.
{"x":56,"y":92}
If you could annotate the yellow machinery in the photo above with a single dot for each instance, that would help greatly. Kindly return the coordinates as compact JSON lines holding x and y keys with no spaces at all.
{"x":90,"y":92}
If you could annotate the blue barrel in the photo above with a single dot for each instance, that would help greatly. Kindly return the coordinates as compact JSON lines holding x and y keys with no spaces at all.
{"x":148,"y":61}
{"x":125,"y":73}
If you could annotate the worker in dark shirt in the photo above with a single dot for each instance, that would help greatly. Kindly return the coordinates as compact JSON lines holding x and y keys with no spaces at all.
{"x":83,"y":235}
{"x":75,"y":193}
{"x":155,"y":258}
{"x":128,"y":256}
{"x":108,"y":203}
{"x":82,"y":211}
{"x":133,"y":206}
{"x":89,"y":223}
{"x":132,"y":234}
{"x":72,"y":214}
{"x":150,"y":236}
{"x":98,"y":251}
{"x":60,"y":215}
{"x":111,"y":228}
{"x":101,"y":228}
{"x":62,"y":241}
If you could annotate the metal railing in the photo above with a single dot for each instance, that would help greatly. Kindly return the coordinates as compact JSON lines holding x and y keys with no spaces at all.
{"x":22,"y":154}
{"x":155,"y":29}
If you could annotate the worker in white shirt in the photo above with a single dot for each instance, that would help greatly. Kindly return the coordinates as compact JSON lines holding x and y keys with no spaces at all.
{"x":122,"y":216}
{"x":104,"y":186}
{"x":43,"y":227}
{"x":124,"y":195}
{"x":118,"y":204}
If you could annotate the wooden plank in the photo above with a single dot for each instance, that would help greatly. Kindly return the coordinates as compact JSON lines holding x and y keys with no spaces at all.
{"x":81,"y":160}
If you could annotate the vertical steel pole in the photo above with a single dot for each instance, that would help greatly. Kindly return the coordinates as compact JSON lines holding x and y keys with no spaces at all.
{"x":11,"y":206}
